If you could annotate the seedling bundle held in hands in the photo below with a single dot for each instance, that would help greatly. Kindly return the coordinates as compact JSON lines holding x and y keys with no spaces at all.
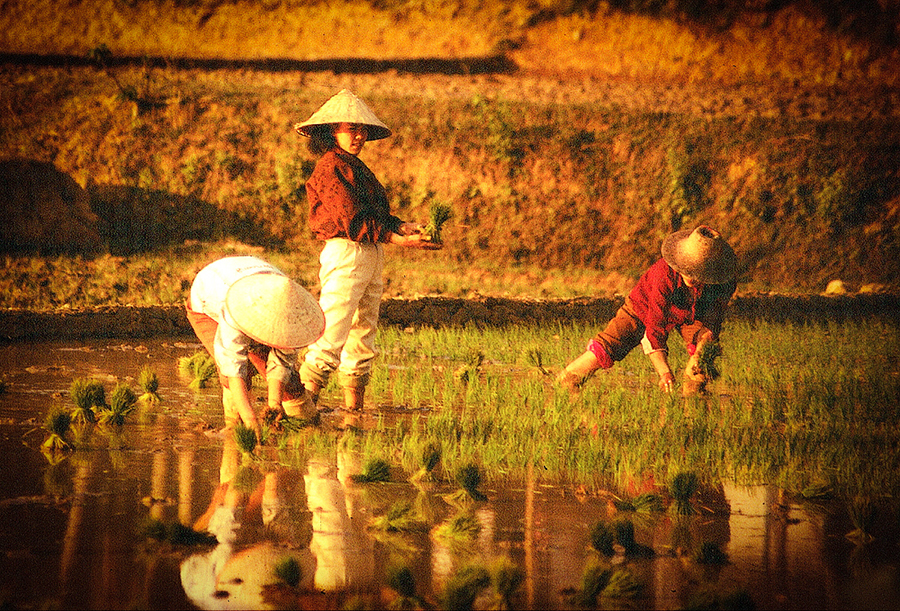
{"x":438,"y":215}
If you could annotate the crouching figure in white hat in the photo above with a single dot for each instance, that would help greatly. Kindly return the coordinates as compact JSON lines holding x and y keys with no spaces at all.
{"x":349,"y":212}
{"x":245,"y":311}
{"x":688,"y":289}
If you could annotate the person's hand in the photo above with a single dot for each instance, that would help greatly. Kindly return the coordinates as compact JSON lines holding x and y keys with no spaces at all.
{"x":407,"y":229}
{"x":416,"y":240}
{"x":667,"y":382}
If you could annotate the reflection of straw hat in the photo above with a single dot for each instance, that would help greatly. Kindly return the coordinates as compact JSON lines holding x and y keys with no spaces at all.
{"x":702,"y":254}
{"x":344,"y":107}
{"x":274,"y":310}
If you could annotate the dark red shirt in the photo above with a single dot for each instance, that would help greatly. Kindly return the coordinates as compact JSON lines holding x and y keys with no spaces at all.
{"x":662,"y":301}
{"x":347,"y":201}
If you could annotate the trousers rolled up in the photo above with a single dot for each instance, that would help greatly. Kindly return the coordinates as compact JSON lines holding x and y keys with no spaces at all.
{"x":351,"y":279}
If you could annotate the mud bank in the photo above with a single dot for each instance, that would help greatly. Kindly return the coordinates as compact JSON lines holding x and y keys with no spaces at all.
{"x":170,"y":321}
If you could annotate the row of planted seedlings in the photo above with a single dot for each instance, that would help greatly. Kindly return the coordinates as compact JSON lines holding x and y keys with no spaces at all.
{"x":808,"y":408}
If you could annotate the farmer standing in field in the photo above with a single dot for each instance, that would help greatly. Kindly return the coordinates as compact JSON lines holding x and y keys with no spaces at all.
{"x":244,"y":310}
{"x":688,"y":289}
{"x":349,"y":212}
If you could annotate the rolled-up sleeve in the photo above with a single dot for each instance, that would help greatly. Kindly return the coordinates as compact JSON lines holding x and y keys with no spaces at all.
{"x":230,"y":351}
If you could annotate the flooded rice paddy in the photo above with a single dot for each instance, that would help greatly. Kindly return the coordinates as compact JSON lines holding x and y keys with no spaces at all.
{"x":75,"y":527}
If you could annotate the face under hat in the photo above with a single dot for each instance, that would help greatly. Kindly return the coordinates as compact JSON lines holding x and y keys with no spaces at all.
{"x":702,"y":254}
{"x":274,"y":310}
{"x":345,"y":107}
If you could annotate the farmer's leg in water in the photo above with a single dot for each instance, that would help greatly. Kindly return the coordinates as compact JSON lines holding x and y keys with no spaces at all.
{"x":620,"y":336}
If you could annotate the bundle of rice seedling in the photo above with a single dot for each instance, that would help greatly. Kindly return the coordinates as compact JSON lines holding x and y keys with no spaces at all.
{"x":463,"y":525}
{"x":288,"y":570}
{"x":401,"y":580}
{"x":464,"y":586}
{"x":199,"y":368}
{"x":623,"y":583}
{"x":374,"y":470}
{"x":710,"y":553}
{"x":122,"y":402}
{"x":401,"y":517}
{"x":602,"y":539}
{"x":683,"y":487}
{"x":438,"y":214}
{"x":594,"y":578}
{"x":534,"y":356}
{"x":245,"y":438}
{"x":471,"y":368}
{"x":431,"y":455}
{"x":506,"y":577}
{"x":625,"y":537}
{"x":469,"y":478}
{"x":57,"y":424}
{"x":86,"y":394}
{"x":149,"y":383}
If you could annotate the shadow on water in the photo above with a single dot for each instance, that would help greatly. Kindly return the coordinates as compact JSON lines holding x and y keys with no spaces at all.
{"x":98,"y":527}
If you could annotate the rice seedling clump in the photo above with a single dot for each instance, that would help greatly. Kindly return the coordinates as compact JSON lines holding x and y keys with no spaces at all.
{"x":199,"y":368}
{"x":57,"y":424}
{"x":86,"y":394}
{"x":122,"y":402}
{"x":438,"y":215}
{"x":149,"y":383}
{"x":288,"y":570}
{"x":374,"y":470}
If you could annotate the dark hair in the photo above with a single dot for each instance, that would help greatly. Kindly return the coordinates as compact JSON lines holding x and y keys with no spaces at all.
{"x":321,"y":139}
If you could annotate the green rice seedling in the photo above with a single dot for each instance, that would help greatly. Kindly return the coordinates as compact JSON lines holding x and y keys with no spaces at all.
{"x":438,"y":215}
{"x":431,"y":455}
{"x":462,"y":526}
{"x":86,"y":394}
{"x":647,"y":502}
{"x":602,"y":538}
{"x":710,"y":553}
{"x":534,"y":357}
{"x":401,"y":517}
{"x":594,"y":578}
{"x":122,"y":402}
{"x":400,"y":578}
{"x":507,"y":578}
{"x":464,"y":587}
{"x":148,"y":382}
{"x":623,"y":583}
{"x":199,"y":368}
{"x":469,"y":478}
{"x":374,"y":470}
{"x":176,"y":533}
{"x":57,"y":424}
{"x":624,"y":530}
{"x":288,"y":570}
{"x":684,"y":486}
{"x":467,"y":372}
{"x":245,"y":438}
{"x":862,"y":514}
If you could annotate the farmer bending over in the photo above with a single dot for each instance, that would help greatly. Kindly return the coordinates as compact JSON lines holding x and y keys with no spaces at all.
{"x":688,"y":289}
{"x":244,"y":310}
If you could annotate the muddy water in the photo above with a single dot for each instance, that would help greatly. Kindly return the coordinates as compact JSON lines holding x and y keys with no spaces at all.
{"x":73,"y":531}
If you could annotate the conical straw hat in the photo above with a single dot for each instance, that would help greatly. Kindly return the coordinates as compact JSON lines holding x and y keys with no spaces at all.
{"x":344,"y":107}
{"x":702,"y":254}
{"x":274,"y":310}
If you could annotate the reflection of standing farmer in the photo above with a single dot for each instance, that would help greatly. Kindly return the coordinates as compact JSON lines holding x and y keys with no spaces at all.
{"x":688,"y":289}
{"x":349,"y":212}
{"x":244,"y":310}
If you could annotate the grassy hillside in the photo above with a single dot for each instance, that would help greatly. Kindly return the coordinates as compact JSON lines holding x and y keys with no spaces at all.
{"x":562,"y":182}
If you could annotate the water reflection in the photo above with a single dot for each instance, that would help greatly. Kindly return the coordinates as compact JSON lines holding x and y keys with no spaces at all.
{"x":84,"y":516}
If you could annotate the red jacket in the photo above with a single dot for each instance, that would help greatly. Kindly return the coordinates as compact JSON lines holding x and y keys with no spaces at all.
{"x":662,"y":301}
{"x":347,"y":201}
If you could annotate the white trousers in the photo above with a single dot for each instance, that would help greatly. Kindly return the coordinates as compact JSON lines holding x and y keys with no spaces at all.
{"x":351,"y":277}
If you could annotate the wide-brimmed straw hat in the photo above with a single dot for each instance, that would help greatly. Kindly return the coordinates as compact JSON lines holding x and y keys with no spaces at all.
{"x":702,"y":254}
{"x":345,"y":107}
{"x":274,"y":310}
